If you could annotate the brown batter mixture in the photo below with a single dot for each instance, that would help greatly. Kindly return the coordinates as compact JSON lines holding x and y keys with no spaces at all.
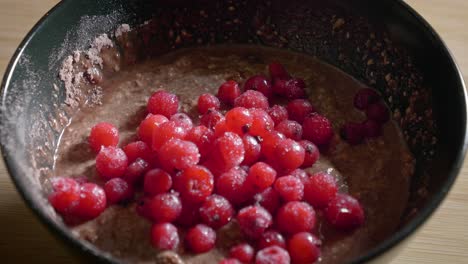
{"x":377,"y":172}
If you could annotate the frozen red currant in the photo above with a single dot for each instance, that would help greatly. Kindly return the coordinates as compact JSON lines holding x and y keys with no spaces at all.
{"x":194,"y":183}
{"x":252,"y":150}
{"x":365,"y":97}
{"x":272,"y":255}
{"x":295,"y":217}
{"x":228,"y":92}
{"x":92,"y":202}
{"x":135,"y":171}
{"x":143,"y":207}
{"x":103,"y":135}
{"x":378,"y":112}
{"x":289,"y":154}
{"x":207,"y":101}
{"x":228,"y":150}
{"x":200,"y":238}
{"x":163,"y":103}
{"x":239,"y":120}
{"x":278,"y":113}
{"x":291,"y":89}
{"x":216,"y":211}
{"x":371,"y":129}
{"x":211,"y":118}
{"x":304,"y":248}
{"x":352,"y":132}
{"x":261,"y":176}
{"x":254,"y":220}
{"x":344,"y":212}
{"x":182,"y":120}
{"x":262,"y":122}
{"x":157,"y":181}
{"x":299,"y":109}
{"x":137,"y":149}
{"x":312,"y":153}
{"x":231,"y":185}
{"x":318,"y":129}
{"x":320,"y":189}
{"x":165,"y":207}
{"x":269,"y":143}
{"x":148,"y":125}
{"x":290,"y":129}
{"x":178,"y":154}
{"x":164,"y":236}
{"x":271,"y":238}
{"x":259,"y":83}
{"x":65,"y":194}
{"x":111,"y":162}
{"x":242,"y":252}
{"x":289,"y":188}
{"x":252,"y":99}
{"x":229,"y":261}
{"x":203,"y":137}
{"x":268,"y":199}
{"x":277,"y":71}
{"x":300,"y":174}
{"x":167,"y":131}
{"x":220,"y":128}
{"x":118,"y":190}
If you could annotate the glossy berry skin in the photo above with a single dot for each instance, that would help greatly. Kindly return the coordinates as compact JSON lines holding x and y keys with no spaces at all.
{"x":268,"y":199}
{"x":228,"y":151}
{"x":92,"y":202}
{"x":111,"y":162}
{"x":277,"y":71}
{"x":239,"y":120}
{"x":289,"y":154}
{"x":261,"y":176}
{"x":165,"y":207}
{"x":271,"y":238}
{"x":65,"y":194}
{"x":118,"y":190}
{"x":289,"y":188}
{"x":254,"y":220}
{"x":312,"y":153}
{"x":272,"y":255}
{"x":378,"y":112}
{"x":203,"y":137}
{"x":304,"y":248}
{"x":352,"y":133}
{"x":148,"y":125}
{"x":231,"y":185}
{"x":252,"y":150}
{"x":207,"y":101}
{"x":252,"y":99}
{"x":365,"y":97}
{"x":164,"y":236}
{"x":228,"y":92}
{"x":194,"y":184}
{"x":344,"y":212}
{"x":299,"y":109}
{"x":262,"y":123}
{"x":200,"y":238}
{"x":135,"y":171}
{"x":182,"y":120}
{"x":211,"y":118}
{"x":138,"y":149}
{"x":216,"y":211}
{"x":220,"y":128}
{"x":157,"y":181}
{"x":320,"y":189}
{"x":371,"y":129}
{"x":295,"y":217}
{"x":291,"y":89}
{"x":229,"y":261}
{"x":242,"y":252}
{"x":259,"y":83}
{"x":278,"y":113}
{"x":165,"y":132}
{"x":269,"y":143}
{"x":290,"y":129}
{"x":163,"y":103}
{"x":103,"y":135}
{"x":317,"y":129}
{"x":178,"y":154}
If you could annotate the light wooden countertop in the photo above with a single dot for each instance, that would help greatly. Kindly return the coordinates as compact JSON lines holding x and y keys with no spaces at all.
{"x":444,"y":239}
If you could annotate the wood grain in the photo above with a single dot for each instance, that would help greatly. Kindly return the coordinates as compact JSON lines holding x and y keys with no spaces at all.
{"x":442,"y":240}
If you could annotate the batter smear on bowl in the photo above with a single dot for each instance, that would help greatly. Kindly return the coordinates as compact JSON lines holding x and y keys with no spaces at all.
{"x":231,"y":154}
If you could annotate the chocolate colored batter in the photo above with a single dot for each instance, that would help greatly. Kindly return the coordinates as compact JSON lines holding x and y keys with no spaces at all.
{"x":377,"y":172}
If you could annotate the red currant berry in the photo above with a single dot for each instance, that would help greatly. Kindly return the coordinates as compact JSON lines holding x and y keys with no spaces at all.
{"x":295,"y":217}
{"x":239,"y":120}
{"x":165,"y":132}
{"x":300,"y":174}
{"x":365,"y":97}
{"x":268,"y":199}
{"x":157,"y":181}
{"x":148,"y":125}
{"x":228,"y":150}
{"x":182,"y":120}
{"x":290,"y":129}
{"x":320,"y":189}
{"x":252,"y":99}
{"x":163,"y":103}
{"x":207,"y":101}
{"x":277,"y":71}
{"x":200,"y":238}
{"x":304,"y":248}
{"x":289,"y":188}
{"x":194,"y":184}
{"x":216,"y":211}
{"x":118,"y":190}
{"x":299,"y":109}
{"x":312,"y":153}
{"x":271,"y":238}
{"x":203,"y":137}
{"x":254,"y":220}
{"x":65,"y":194}
{"x":269,"y":143}
{"x":178,"y":154}
{"x":252,"y":150}
{"x":272,"y":255}
{"x":242,"y":252}
{"x":164,"y":236}
{"x":211,"y":118}
{"x":135,"y":171}
{"x":259,"y":83}
{"x":289,"y":154}
{"x":278,"y":113}
{"x":165,"y":207}
{"x":111,"y":162}
{"x":137,"y":149}
{"x":229,"y":261}
{"x":220,"y":128}
{"x":103,"y":135}
{"x":190,"y":215}
{"x":378,"y":112}
{"x":92,"y":202}
{"x":262,"y":123}
{"x":344,"y":212}
{"x":318,"y":129}
{"x":228,"y":92}
{"x":231,"y":185}
{"x":261,"y":176}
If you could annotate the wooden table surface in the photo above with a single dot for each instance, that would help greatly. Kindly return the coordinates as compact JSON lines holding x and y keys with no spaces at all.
{"x":444,"y":239}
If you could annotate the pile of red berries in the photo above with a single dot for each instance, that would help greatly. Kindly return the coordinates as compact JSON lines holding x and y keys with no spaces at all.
{"x":369,"y":101}
{"x":245,"y":164}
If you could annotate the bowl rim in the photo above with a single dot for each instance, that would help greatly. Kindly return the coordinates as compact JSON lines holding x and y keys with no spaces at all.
{"x":372,"y":254}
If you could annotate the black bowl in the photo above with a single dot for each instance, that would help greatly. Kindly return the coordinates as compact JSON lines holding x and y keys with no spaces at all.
{"x":411,"y":67}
